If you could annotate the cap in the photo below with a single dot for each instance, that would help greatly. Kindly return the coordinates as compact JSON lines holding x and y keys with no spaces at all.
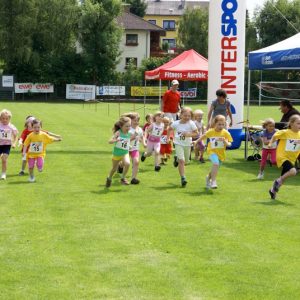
{"x":174,"y":82}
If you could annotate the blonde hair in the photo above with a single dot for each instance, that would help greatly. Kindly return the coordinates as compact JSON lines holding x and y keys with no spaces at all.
{"x":217,"y":119}
{"x":149,"y":116}
{"x":120,"y":123}
{"x":292,"y":120}
{"x":5,"y":112}
{"x":132,"y":115}
{"x":158,"y":113}
{"x":266,"y":122}
{"x":198,"y":112}
{"x":186,"y":109}
{"x":166,"y":120}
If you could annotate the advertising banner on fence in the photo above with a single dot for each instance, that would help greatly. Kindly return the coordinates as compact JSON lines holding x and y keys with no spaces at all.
{"x":190,"y":93}
{"x":147,"y":91}
{"x":80,"y":91}
{"x":21,"y":88}
{"x":7,"y":81}
{"x":110,"y":90}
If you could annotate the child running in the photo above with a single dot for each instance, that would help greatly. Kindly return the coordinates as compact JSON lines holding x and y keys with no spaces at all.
{"x":154,"y":131}
{"x":27,"y":130}
{"x":184,"y":129}
{"x":218,"y":139}
{"x":121,"y":140}
{"x":8,"y":138}
{"x":287,"y":152}
{"x":269,"y":131}
{"x":165,"y":146}
{"x":137,"y":133}
{"x":35,"y":148}
{"x":199,"y":146}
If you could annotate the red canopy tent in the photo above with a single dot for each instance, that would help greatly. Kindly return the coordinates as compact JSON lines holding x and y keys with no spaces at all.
{"x":189,"y":65}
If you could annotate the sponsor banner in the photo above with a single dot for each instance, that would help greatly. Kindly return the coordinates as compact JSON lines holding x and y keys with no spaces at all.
{"x":189,"y":75}
{"x":147,"y":91}
{"x":7,"y":81}
{"x":109,"y":90}
{"x":80,"y":91}
{"x":190,"y":93}
{"x":21,"y":88}
{"x":227,"y":53}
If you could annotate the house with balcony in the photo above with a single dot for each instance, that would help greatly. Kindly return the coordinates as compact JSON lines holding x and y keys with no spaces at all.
{"x":140,"y":39}
{"x":167,"y":13}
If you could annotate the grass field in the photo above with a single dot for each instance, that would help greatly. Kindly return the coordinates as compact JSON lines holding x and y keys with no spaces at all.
{"x":67,"y":237}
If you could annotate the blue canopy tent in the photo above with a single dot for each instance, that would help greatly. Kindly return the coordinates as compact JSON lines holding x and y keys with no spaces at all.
{"x":284,"y":55}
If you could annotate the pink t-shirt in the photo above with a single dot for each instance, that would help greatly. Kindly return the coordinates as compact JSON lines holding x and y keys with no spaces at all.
{"x":7,"y":133}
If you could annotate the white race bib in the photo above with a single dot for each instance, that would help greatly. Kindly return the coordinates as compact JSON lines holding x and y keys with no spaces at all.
{"x":36,"y":147}
{"x":123,"y":144}
{"x":292,"y":145}
{"x":163,"y":140}
{"x":156,"y":131}
{"x":215,"y":143}
{"x":5,"y":135}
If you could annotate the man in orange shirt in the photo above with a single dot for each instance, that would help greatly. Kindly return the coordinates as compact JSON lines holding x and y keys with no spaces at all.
{"x":171,"y":101}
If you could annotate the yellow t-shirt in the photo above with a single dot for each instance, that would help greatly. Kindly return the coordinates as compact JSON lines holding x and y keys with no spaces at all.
{"x":37,"y":143}
{"x":288,"y":147}
{"x":215,"y":145}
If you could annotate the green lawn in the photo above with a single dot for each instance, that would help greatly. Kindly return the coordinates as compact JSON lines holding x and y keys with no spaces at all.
{"x":67,"y":237}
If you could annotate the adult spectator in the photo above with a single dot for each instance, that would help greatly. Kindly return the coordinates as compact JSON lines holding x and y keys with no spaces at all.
{"x":288,"y":110}
{"x":220,"y":106}
{"x":171,"y":101}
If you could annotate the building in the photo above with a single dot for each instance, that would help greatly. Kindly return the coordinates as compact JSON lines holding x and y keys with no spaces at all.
{"x":140,"y":39}
{"x":167,"y":13}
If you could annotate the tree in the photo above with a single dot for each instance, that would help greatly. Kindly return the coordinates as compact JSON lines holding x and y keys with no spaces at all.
{"x":99,"y":37}
{"x":138,"y":7}
{"x":272,"y":27}
{"x":251,"y":35}
{"x":193,"y":30}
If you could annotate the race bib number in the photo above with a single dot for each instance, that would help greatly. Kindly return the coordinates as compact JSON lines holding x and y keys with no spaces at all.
{"x":163,"y":140}
{"x":292,"y":145}
{"x":5,"y":135}
{"x":123,"y":144}
{"x":36,"y":147}
{"x":179,"y":136}
{"x":157,"y":132}
{"x":215,"y":143}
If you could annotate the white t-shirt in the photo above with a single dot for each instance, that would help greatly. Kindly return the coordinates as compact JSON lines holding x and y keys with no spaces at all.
{"x":135,"y":144}
{"x":179,"y":129}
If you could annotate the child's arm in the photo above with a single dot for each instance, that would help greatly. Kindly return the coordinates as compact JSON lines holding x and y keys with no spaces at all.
{"x":54,"y":135}
{"x":194,"y":133}
{"x":57,"y":139}
{"x":265,"y":140}
{"x":170,"y":130}
{"x":230,"y":116}
{"x":273,"y":139}
{"x":114,"y":138}
{"x":143,"y":140}
{"x":226,"y":142}
{"x":14,"y":140}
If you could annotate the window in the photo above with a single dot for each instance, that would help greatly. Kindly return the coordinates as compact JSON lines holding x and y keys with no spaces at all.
{"x":171,"y":42}
{"x":152,"y":22}
{"x":169,"y":24}
{"x":131,"y":39}
{"x":131,"y":60}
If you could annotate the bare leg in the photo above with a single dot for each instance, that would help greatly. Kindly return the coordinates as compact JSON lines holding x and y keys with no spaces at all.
{"x":135,"y":167}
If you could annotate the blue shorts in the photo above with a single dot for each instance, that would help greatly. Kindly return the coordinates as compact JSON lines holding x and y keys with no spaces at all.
{"x":5,"y":149}
{"x":215,"y":159}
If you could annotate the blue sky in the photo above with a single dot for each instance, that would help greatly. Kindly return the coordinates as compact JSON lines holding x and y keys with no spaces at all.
{"x":251,"y":4}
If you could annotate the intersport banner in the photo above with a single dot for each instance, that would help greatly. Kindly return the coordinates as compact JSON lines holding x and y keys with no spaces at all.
{"x":226,"y":54}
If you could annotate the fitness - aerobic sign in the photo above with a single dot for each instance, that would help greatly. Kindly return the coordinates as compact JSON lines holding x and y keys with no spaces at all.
{"x":226,"y":58}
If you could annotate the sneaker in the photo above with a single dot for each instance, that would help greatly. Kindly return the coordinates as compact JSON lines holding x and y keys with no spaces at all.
{"x":157,"y":168}
{"x":124,"y":181}
{"x":40,"y":170}
{"x":260,"y":175}
{"x":143,"y":157}
{"x":175,"y":162}
{"x":21,"y":173}
{"x":208,"y":182}
{"x":214,"y":184}
{"x":3,"y":176}
{"x":276,"y":185}
{"x":272,"y":194}
{"x":120,"y":169}
{"x":202,"y":160}
{"x":134,"y":181}
{"x":183,"y":182}
{"x":108,"y":182}
{"x":31,"y":179}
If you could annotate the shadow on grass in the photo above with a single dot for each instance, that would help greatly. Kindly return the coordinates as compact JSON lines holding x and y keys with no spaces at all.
{"x":169,"y":186}
{"x":19,"y":182}
{"x":273,"y":203}
{"x":204,"y":192}
{"x":79,"y":152}
{"x":106,"y":190}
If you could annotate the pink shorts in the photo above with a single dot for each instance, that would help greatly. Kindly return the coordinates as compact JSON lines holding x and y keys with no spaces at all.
{"x":153,"y":146}
{"x":39,"y":161}
{"x":134,"y":154}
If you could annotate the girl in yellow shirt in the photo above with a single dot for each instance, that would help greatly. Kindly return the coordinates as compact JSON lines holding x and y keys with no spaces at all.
{"x":218,"y":139}
{"x":287,"y":152}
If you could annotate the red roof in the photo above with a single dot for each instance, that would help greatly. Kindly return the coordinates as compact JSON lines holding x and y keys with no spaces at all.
{"x":189,"y":65}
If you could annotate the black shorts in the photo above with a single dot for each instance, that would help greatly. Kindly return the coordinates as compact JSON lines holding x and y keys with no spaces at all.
{"x":5,"y":149}
{"x":286,"y":166}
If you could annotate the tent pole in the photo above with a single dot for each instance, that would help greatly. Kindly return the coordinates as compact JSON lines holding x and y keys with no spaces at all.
{"x":259,"y":96}
{"x":159,"y":100}
{"x":145,"y":98}
{"x":248,"y":110}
